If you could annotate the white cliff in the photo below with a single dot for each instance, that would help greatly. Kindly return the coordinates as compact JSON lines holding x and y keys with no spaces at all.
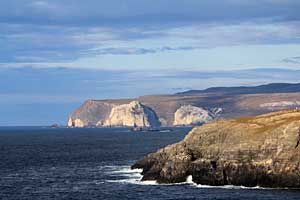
{"x":99,"y":123}
{"x":132,"y":114}
{"x":70,"y":122}
{"x":78,"y":123}
{"x":192,"y":115}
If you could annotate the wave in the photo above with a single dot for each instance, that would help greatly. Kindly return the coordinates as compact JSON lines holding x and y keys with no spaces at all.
{"x":124,"y":174}
{"x":165,"y":131}
{"x":133,"y":176}
{"x":190,"y":181}
{"x":230,"y":187}
{"x":127,"y":175}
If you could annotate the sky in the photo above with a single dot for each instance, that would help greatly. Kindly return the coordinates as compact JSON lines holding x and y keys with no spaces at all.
{"x":55,"y":54}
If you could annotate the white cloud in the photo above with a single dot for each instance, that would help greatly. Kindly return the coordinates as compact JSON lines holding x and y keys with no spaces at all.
{"x":45,"y":46}
{"x":40,"y":4}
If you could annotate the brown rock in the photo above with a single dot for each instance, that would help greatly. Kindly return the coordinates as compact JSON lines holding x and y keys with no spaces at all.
{"x":262,"y":150}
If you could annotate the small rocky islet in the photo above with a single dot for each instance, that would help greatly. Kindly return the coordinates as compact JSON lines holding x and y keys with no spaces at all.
{"x":262,"y":150}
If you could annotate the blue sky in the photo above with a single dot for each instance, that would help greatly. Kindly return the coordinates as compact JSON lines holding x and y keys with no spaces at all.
{"x":54,"y":54}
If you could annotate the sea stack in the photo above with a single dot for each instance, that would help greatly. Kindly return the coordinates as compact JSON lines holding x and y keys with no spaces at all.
{"x":261,"y":150}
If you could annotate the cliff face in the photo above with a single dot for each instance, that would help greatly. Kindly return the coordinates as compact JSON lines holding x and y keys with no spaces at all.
{"x":89,"y":113}
{"x":105,"y":114}
{"x":132,"y":114}
{"x":76,"y":123}
{"x":192,"y":115}
{"x":218,"y":103}
{"x":263,"y":150}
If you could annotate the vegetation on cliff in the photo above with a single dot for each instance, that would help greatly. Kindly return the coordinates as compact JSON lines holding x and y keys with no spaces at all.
{"x":261,"y":150}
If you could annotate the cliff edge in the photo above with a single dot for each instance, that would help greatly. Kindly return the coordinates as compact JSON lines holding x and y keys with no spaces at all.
{"x":262,"y":150}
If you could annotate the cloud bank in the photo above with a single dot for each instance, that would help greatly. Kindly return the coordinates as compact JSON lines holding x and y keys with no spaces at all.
{"x":66,"y":31}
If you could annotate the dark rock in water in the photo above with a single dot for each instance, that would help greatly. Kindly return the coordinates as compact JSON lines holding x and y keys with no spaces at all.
{"x":144,"y":129}
{"x":252,"y":151}
{"x":55,"y":126}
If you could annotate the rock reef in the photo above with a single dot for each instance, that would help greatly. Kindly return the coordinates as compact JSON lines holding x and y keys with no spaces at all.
{"x":262,"y":150}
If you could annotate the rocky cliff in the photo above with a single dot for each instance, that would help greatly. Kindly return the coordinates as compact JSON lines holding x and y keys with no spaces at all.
{"x":104,"y":114}
{"x":192,"y":115}
{"x":132,"y":114}
{"x":262,"y":151}
{"x":90,"y":113}
{"x":218,"y":102}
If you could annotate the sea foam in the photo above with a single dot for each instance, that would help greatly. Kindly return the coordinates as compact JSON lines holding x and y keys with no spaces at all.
{"x":133,"y":176}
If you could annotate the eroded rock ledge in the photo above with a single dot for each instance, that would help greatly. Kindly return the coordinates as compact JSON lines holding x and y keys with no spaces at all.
{"x":253,"y":151}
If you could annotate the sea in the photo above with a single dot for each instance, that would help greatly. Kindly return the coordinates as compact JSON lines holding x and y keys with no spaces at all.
{"x":94,"y":163}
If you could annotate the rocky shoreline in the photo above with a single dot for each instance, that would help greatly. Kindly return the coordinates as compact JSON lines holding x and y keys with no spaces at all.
{"x":263,"y":150}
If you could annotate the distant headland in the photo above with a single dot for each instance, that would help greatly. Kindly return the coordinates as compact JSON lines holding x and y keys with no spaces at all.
{"x":187,"y":108}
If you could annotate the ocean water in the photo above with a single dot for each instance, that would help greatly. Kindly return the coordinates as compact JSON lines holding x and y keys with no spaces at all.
{"x":45,"y":163}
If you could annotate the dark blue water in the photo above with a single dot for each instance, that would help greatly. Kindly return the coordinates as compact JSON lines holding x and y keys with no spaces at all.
{"x":45,"y":163}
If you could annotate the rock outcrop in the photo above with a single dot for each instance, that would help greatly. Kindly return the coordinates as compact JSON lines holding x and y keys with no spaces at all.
{"x":89,"y":113}
{"x":262,"y":151}
{"x":70,"y":122}
{"x":77,"y":123}
{"x":132,"y":114}
{"x":191,"y":115}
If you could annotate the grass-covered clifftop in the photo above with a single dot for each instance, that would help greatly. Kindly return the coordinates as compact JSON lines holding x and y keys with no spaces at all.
{"x":261,"y":150}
